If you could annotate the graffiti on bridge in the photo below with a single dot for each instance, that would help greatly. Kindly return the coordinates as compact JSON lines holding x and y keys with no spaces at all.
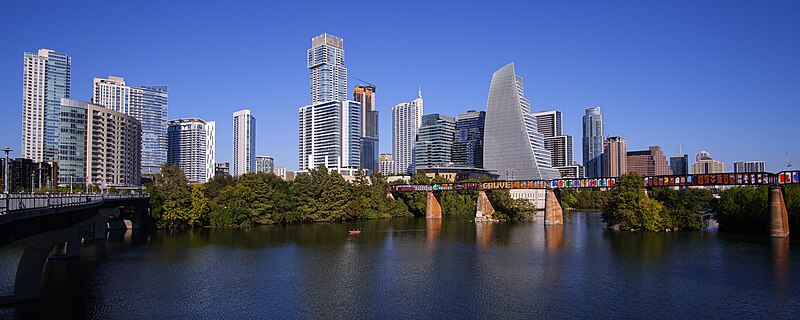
{"x":789,"y":177}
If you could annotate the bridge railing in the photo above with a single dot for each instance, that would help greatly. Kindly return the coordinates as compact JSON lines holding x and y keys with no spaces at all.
{"x":10,"y":203}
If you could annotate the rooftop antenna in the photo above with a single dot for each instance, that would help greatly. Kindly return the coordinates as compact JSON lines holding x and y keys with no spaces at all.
{"x":419,"y":93}
{"x":364,"y":82}
{"x":788,"y":160}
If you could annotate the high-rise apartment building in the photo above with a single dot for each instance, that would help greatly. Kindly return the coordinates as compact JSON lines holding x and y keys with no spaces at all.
{"x":748,"y":166}
{"x":330,"y":134}
{"x":406,"y":120}
{"x":468,"y":144}
{"x":513,"y":146}
{"x":593,"y":140}
{"x":650,"y":162}
{"x":98,"y":146}
{"x":222,"y":168}
{"x":679,"y":164}
{"x":191,"y":146}
{"x":615,"y":158}
{"x":45,"y":81}
{"x":148,"y":104}
{"x":386,"y":163}
{"x":551,"y":124}
{"x":434,"y":143}
{"x":265,"y":164}
{"x":244,"y":142}
{"x":328,"y":74}
{"x":705,"y":164}
{"x":365,"y":95}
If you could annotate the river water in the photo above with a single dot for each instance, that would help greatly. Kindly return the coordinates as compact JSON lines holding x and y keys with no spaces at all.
{"x":413,"y":268}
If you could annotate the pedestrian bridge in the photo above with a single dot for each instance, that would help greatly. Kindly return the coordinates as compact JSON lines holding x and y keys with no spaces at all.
{"x":553,"y":210}
{"x":47,"y":225}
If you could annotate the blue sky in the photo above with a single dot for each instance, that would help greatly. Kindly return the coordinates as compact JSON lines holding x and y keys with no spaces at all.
{"x":722,"y":76}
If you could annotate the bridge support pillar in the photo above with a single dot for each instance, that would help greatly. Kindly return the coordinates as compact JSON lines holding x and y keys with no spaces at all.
{"x":779,"y":218}
{"x":485,"y":208}
{"x":433,"y":208}
{"x":28,"y":281}
{"x":552,"y":209}
{"x":97,"y":227}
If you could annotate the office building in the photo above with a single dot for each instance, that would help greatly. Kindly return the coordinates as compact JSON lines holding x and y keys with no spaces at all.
{"x":148,"y":105}
{"x":222,"y":168}
{"x":513,"y":147}
{"x":593,"y":141}
{"x":434,"y":143}
{"x":406,"y":120}
{"x":748,"y":166}
{"x":330,"y":134}
{"x":191,"y":146}
{"x":386,"y":163}
{"x":265,"y":164}
{"x":615,"y":159}
{"x":705,"y":164}
{"x":650,"y":162}
{"x":98,"y":146}
{"x":365,"y":95}
{"x":45,"y":81}
{"x":560,"y":145}
{"x":574,"y":171}
{"x":25,"y":175}
{"x":326,"y":64}
{"x":244,"y":142}
{"x":679,"y":164}
{"x":468,"y":144}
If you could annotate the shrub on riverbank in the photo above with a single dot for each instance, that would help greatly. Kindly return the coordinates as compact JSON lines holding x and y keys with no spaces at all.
{"x":746,"y":209}
{"x":629,"y":207}
{"x":586,"y":199}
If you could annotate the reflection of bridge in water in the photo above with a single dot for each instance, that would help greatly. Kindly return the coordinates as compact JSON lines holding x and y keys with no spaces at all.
{"x":779,"y":220}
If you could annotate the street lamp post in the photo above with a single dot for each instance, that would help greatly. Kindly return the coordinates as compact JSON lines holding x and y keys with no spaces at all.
{"x":70,"y":182}
{"x":7,"y":150}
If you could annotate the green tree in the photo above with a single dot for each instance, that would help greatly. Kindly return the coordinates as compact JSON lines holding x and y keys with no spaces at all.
{"x":743,"y":210}
{"x":684,"y":208}
{"x":630,"y":208}
{"x":170,"y":198}
{"x":198,"y":213}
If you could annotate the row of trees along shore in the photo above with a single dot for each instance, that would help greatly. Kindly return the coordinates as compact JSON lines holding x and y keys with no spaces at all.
{"x":740,"y":209}
{"x":319,"y":195}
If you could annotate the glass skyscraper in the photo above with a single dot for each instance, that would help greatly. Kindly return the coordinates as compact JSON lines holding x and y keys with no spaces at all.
{"x":468,"y":144}
{"x":679,"y":164}
{"x":434,"y":143}
{"x":244,"y":142}
{"x":369,"y":120}
{"x":328,"y":74}
{"x":513,"y":146}
{"x":593,"y":142}
{"x":148,"y":104}
{"x":46,"y":80}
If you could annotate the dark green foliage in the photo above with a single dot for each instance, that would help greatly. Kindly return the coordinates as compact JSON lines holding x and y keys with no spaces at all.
{"x":792,"y":197}
{"x":583,"y":199}
{"x":170,"y":199}
{"x":507,"y":208}
{"x":630,"y":208}
{"x":743,"y":210}
{"x":684,"y":208}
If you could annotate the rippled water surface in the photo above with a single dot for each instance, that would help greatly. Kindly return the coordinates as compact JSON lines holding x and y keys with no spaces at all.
{"x":413,"y":268}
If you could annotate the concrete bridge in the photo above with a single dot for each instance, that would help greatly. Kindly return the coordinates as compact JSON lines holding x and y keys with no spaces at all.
{"x":48,"y":225}
{"x":779,"y":220}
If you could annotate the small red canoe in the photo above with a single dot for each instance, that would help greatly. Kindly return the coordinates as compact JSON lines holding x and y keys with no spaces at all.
{"x":355,"y":231}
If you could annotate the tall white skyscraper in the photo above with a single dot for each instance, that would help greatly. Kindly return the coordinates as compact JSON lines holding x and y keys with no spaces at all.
{"x":244,"y":143}
{"x":329,"y":133}
{"x":46,"y":79}
{"x":148,"y":104}
{"x":330,"y":128}
{"x":328,"y":74}
{"x":513,"y":146}
{"x":406,"y":120}
{"x":191,"y":144}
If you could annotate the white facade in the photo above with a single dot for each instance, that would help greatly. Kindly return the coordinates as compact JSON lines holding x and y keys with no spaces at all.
{"x":329,"y":133}
{"x":748,"y":166}
{"x":244,"y":143}
{"x":46,"y":79}
{"x":386,"y":163}
{"x":535,"y":196}
{"x":265,"y":164}
{"x":406,"y":120}
{"x":149,"y":105}
{"x":191,"y":146}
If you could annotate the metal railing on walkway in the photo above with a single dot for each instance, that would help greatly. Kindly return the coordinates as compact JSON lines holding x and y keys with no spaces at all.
{"x":9,"y":203}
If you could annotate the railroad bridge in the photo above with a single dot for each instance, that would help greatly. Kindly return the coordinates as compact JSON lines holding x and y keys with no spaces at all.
{"x":779,"y":221}
{"x":48,"y":225}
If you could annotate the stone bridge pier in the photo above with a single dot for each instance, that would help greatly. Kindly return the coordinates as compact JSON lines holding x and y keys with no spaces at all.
{"x":779,"y":217}
{"x":433,"y":206}
{"x":553,"y":214}
{"x":484,"y":210}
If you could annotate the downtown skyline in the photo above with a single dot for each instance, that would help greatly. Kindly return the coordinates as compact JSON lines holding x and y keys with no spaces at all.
{"x":647,"y":102}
